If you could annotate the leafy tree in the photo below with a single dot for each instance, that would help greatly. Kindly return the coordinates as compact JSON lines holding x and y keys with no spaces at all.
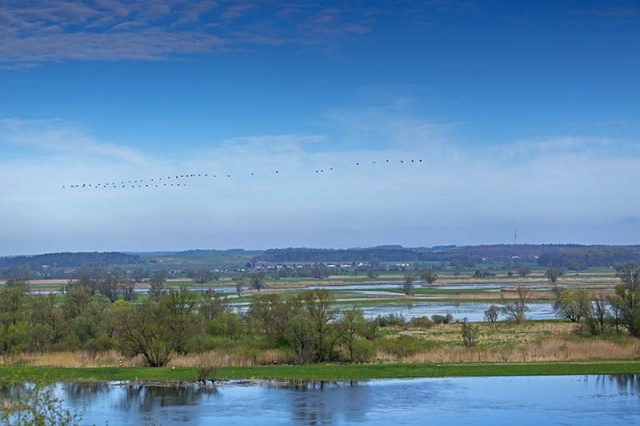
{"x":258,"y":280}
{"x":11,"y":282}
{"x":524,"y":270}
{"x":626,"y":298}
{"x":88,"y":329}
{"x":429,"y":276}
{"x":108,"y":284}
{"x":126,"y":287}
{"x":571,"y":304}
{"x":157,"y":329}
{"x":76,"y":300}
{"x":552,"y":274}
{"x":301,"y":337}
{"x":182,"y":321}
{"x":200,"y":276}
{"x":13,"y":325}
{"x":142,"y":329}
{"x":483,"y":273}
{"x":140,"y":274}
{"x":46,"y":323}
{"x":352,"y":322}
{"x":213,"y":305}
{"x":318,"y":315}
{"x":271,"y":314}
{"x":407,"y":284}
{"x":156,"y":283}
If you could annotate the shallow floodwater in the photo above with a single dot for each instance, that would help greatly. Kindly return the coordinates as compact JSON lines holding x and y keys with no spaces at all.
{"x":551,"y":400}
{"x":473,"y":311}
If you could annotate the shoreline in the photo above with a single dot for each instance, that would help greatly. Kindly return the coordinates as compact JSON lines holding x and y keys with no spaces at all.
{"x":319,"y":372}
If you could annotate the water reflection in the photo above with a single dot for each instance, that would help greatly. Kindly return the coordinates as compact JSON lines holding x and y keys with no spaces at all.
{"x":585,"y":400}
{"x":627,"y":384}
{"x":320,"y":403}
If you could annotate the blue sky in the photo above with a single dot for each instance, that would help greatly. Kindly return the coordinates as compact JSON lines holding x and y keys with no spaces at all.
{"x":525,"y":115}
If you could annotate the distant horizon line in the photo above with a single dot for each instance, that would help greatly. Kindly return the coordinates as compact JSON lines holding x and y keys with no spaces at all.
{"x":381,"y":246}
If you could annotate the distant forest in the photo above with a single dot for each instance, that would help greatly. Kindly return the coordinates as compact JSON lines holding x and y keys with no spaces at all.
{"x":39,"y":265}
{"x":575,"y":257}
{"x":572,"y":257}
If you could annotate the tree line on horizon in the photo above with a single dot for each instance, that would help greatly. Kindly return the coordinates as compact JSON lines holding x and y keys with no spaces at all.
{"x":570,"y":257}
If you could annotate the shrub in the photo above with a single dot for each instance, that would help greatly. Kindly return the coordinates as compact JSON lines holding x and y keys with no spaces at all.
{"x":442,"y":319}
{"x":363,"y":351}
{"x":422,"y":322}
{"x":390,"y":320}
{"x":400,"y":346}
{"x":206,"y":373}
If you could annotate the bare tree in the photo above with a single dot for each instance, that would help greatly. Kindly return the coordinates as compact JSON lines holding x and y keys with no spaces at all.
{"x":596,"y":315}
{"x":492,"y":313}
{"x":469,"y":333}
{"x":626,"y":298}
{"x":156,"y":282}
{"x":407,"y":284}
{"x":515,"y":309}
{"x":524,"y":270}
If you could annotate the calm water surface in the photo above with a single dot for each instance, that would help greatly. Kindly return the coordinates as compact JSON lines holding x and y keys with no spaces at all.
{"x":473,"y":311}
{"x":552,"y":400}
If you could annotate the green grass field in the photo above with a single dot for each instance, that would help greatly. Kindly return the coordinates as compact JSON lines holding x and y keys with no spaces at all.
{"x":329,"y":372}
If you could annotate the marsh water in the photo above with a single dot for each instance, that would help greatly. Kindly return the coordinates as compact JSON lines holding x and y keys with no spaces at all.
{"x":472,"y":311}
{"x":548,"y":400}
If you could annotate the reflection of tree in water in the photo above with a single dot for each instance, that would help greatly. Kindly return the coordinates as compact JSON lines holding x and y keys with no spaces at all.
{"x":83,"y":393}
{"x":626,"y":383}
{"x":148,"y":398}
{"x":318,"y":402}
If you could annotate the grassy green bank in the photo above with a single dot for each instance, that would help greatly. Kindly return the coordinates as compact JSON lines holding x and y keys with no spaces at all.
{"x":329,"y":372}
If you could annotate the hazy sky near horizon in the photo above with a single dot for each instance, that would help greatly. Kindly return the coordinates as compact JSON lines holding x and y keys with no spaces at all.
{"x":525,"y":115}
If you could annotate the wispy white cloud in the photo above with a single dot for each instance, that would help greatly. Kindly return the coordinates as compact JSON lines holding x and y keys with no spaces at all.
{"x":63,"y":138}
{"x":162,"y":29}
{"x":611,"y":11}
{"x":576,"y":186}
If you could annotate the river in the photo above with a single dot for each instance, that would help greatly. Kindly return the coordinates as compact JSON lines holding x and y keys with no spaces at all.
{"x":543,"y":400}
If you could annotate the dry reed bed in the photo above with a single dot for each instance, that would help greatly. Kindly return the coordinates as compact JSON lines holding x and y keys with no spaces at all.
{"x":496,"y":342}
{"x":552,"y":350}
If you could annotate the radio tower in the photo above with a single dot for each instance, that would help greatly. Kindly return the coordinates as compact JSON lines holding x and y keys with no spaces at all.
{"x":515,"y":236}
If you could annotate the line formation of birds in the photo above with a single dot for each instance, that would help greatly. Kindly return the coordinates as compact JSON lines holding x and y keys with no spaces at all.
{"x":178,"y":180}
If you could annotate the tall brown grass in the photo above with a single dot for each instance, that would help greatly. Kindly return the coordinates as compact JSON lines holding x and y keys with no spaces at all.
{"x":552,"y":350}
{"x":497,"y":342}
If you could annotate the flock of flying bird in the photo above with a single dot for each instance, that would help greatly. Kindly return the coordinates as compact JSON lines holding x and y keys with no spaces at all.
{"x":178,"y":180}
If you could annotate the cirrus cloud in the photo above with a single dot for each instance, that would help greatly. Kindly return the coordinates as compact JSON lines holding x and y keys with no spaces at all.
{"x":161,"y":29}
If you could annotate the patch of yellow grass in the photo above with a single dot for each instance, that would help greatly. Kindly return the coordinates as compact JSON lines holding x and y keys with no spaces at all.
{"x":528,"y":342}
{"x":74,"y":359}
